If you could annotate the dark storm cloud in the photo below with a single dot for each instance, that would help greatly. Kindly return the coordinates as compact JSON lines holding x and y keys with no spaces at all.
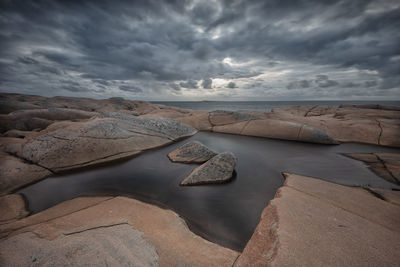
{"x":207,"y":83}
{"x":163,"y":46}
{"x":231,"y":85}
{"x":130,"y":88}
{"x":190,"y":84}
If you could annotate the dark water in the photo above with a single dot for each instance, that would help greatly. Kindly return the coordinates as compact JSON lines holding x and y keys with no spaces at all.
{"x":261,"y":105}
{"x":226,"y":214}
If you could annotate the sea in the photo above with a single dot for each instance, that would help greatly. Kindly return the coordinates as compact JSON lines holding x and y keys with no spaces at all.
{"x":261,"y":105}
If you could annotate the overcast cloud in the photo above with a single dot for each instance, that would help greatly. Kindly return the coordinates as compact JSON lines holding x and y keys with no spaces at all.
{"x":195,"y":50}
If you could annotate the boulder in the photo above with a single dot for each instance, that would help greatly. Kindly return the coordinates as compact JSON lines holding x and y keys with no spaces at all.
{"x":219,"y":169}
{"x":192,"y":152}
{"x":311,"y":222}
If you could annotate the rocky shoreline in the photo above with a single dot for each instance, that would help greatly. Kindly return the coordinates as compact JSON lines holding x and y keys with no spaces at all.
{"x":42,"y":136}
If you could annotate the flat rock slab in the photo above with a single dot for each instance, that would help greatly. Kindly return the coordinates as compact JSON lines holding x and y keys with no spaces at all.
{"x":12,"y":207}
{"x":103,"y":231}
{"x":118,"y":245}
{"x":103,"y":138}
{"x":219,"y":169}
{"x":386,"y":165}
{"x":192,"y":152}
{"x":311,"y":222}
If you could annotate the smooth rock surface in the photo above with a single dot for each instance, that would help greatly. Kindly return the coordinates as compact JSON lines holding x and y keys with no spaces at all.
{"x":162,"y":229}
{"x":12,"y":208}
{"x":311,"y":222}
{"x":219,"y":169}
{"x":103,"y":138}
{"x":118,"y":245}
{"x":192,"y":152}
{"x":15,"y":173}
{"x":386,"y":165}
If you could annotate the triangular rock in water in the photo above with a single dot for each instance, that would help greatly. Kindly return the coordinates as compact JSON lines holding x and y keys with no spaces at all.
{"x":217,"y":170}
{"x":192,"y":152}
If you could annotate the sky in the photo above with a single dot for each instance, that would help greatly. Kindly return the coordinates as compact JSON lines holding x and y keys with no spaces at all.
{"x":202,"y":50}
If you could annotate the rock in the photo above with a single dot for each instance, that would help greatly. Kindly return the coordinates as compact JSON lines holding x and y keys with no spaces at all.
{"x":12,"y":208}
{"x":386,"y":165}
{"x":364,"y":113}
{"x":192,"y":152}
{"x":8,"y":106}
{"x":119,"y":229}
{"x":391,"y":196}
{"x":118,"y":245}
{"x":219,"y":169}
{"x":390,"y":133}
{"x":223,"y":117}
{"x":197,"y":119}
{"x":370,"y":106}
{"x":311,"y":222}
{"x":15,"y":173}
{"x":104,"y":138}
{"x":278,"y":129}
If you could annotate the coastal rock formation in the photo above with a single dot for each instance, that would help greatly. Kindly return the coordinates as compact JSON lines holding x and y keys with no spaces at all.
{"x":39,"y":119}
{"x":12,"y":208}
{"x":117,"y":230}
{"x":386,"y":165}
{"x":219,"y":169}
{"x":311,"y":222}
{"x":192,"y":152}
{"x":103,"y":138}
{"x":15,"y":173}
{"x":106,"y":246}
{"x":277,"y":129}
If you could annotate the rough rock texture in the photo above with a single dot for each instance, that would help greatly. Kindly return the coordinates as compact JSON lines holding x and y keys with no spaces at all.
{"x":106,"y":137}
{"x":118,"y":245}
{"x":386,"y":165}
{"x":27,"y":120}
{"x":73,"y":222}
{"x":15,"y":173}
{"x":12,"y":208}
{"x":311,"y":222}
{"x":219,"y":169}
{"x":192,"y":152}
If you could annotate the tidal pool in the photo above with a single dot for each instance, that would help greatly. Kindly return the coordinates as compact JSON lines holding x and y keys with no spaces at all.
{"x":226,"y":214}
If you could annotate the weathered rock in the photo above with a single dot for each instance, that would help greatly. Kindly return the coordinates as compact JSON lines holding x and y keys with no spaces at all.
{"x":370,"y":106}
{"x":277,"y":129}
{"x":12,"y":208}
{"x":219,"y":169}
{"x":192,"y":152}
{"x":311,"y":222}
{"x":118,"y":245}
{"x":107,"y":137}
{"x":391,"y":196}
{"x":15,"y":173}
{"x":197,"y":119}
{"x":386,"y":165}
{"x":8,"y":106}
{"x":223,"y":117}
{"x":161,"y":229}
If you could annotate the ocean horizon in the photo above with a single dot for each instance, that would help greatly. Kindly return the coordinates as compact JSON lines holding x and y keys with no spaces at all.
{"x":264,"y":105}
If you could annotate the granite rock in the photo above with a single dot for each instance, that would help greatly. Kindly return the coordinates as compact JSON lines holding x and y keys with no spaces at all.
{"x":192,"y":152}
{"x":219,"y":169}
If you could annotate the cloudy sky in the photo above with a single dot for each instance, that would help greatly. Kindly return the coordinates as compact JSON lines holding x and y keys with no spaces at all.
{"x":202,"y":50}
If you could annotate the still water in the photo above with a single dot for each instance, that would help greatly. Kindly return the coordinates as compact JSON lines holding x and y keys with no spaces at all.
{"x":226,"y":214}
